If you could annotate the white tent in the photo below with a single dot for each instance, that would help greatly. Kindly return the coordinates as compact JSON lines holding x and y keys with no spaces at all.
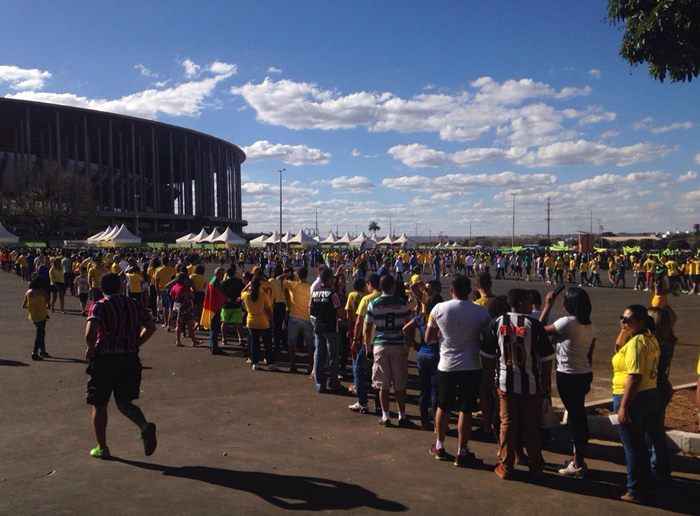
{"x":96,"y":237}
{"x":200,"y":237}
{"x":107,"y":236}
{"x":274,"y":238}
{"x":362,"y":241}
{"x":123,"y":237}
{"x":303,"y":240}
{"x":331,"y":239}
{"x":386,"y":241}
{"x":344,"y":240}
{"x":6,"y":237}
{"x":231,"y":239}
{"x":287,"y":237}
{"x":259,"y":241}
{"x":185,"y":239}
{"x":405,"y":242}
{"x":212,"y":237}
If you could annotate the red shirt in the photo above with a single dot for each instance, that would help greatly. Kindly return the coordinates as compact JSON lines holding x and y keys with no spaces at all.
{"x":119,"y":319}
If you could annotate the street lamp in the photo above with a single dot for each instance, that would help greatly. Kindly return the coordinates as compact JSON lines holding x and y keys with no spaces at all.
{"x":280,"y":172}
{"x":512,"y":241}
{"x":137,"y":197}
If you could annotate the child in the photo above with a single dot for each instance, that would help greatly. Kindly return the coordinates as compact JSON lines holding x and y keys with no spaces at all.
{"x":82,"y":288}
{"x":36,"y":303}
{"x":183,"y":307}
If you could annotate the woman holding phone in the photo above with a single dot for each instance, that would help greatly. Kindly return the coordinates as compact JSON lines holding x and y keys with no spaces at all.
{"x":574,"y":335}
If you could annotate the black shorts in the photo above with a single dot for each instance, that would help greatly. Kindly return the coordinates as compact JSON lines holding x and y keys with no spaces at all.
{"x":118,"y":374}
{"x":462,"y":386}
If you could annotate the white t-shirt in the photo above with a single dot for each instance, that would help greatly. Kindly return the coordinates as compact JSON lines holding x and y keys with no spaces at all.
{"x":574,"y":342}
{"x":461,"y":324}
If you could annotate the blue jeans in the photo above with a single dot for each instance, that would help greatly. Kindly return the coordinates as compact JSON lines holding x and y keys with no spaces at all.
{"x":254,"y":339}
{"x":214,"y":331}
{"x":40,"y":340}
{"x":427,"y":374}
{"x":296,"y":327}
{"x":643,"y":420}
{"x":360,"y":375}
{"x":326,"y":361}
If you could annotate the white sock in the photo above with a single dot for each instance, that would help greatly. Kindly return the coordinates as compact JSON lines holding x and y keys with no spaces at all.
{"x":439,"y":445}
{"x":385,"y":415}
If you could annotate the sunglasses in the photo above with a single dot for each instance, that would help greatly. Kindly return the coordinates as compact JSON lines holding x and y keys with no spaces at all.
{"x":626,"y":320}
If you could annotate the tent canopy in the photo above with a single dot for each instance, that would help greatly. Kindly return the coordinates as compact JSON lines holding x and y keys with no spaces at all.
{"x":330,"y":239}
{"x":6,"y":237}
{"x":386,"y":241}
{"x":259,"y":241}
{"x":230,"y":238}
{"x":345,"y":239}
{"x":185,"y":238}
{"x":123,"y":237}
{"x":363,"y":242}
{"x":274,"y":238}
{"x":211,"y":238}
{"x":96,"y":237}
{"x":303,"y":240}
{"x":200,"y":236}
{"x":287,"y":237}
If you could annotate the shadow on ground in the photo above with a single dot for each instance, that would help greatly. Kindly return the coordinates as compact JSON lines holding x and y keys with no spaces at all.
{"x":287,"y":492}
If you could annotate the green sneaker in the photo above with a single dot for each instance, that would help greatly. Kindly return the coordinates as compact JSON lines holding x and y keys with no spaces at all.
{"x":100,"y":453}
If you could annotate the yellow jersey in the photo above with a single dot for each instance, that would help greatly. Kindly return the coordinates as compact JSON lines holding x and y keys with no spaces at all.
{"x":135,"y":280}
{"x":199,"y":282}
{"x":299,"y":296}
{"x":640,"y":355}
{"x":36,"y":304}
{"x":257,"y":311}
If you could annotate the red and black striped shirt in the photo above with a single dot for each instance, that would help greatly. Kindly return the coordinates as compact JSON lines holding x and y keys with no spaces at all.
{"x":119,"y":319}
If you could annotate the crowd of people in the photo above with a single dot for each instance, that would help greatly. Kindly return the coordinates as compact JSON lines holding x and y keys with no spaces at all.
{"x":475,"y":351}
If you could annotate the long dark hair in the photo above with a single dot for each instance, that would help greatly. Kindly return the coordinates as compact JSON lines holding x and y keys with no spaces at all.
{"x":640,"y":314}
{"x":578,"y":304}
{"x":256,"y":288}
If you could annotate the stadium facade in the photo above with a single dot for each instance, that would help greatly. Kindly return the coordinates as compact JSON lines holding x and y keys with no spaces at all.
{"x":162,"y":178}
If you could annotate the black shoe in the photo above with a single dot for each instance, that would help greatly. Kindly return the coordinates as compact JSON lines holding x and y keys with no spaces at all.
{"x":385,"y":423}
{"x":404,"y":422}
{"x":35,"y":357}
{"x":150,"y":442}
{"x":468,"y":460}
{"x":44,"y":354}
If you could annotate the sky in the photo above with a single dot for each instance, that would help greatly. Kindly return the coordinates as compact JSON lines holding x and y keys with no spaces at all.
{"x":430,"y":117}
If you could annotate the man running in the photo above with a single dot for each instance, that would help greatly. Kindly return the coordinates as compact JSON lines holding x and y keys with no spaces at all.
{"x":116,"y":329}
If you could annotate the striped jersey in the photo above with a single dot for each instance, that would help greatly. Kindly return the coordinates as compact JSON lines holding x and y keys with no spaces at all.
{"x":520,"y":345}
{"x":388,"y":314}
{"x":119,"y":319}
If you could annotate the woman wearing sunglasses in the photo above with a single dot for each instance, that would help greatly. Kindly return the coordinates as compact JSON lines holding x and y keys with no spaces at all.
{"x":635,"y":398}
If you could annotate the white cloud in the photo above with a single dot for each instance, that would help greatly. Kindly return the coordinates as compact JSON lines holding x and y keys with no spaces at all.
{"x":289,"y":190}
{"x":191,"y":68}
{"x":21,"y":79}
{"x":417,"y":155}
{"x":455,"y":182}
{"x":688,"y":176}
{"x":612,"y":133}
{"x":647,"y":124}
{"x":352,"y":184}
{"x":186,"y":99}
{"x":274,"y":69}
{"x":693,"y":196}
{"x":464,"y":115}
{"x":356,"y":153}
{"x":594,"y":72}
{"x":294,"y":155}
{"x":582,"y":152}
{"x":596,"y":115}
{"x":611,"y":182}
{"x":221,"y":68}
{"x":145,"y":71}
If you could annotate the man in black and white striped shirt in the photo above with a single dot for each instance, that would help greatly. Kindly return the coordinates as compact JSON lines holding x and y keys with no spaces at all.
{"x":523,"y":355}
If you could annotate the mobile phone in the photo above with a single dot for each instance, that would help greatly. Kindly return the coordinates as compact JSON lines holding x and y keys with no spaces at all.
{"x":559,"y":290}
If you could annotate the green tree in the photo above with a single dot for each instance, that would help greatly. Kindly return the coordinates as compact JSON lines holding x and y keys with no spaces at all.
{"x":665,"y":34}
{"x":373,"y":227}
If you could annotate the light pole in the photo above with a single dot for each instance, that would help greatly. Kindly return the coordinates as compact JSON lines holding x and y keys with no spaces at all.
{"x":137,"y":197}
{"x":512,"y":240}
{"x":280,"y":242}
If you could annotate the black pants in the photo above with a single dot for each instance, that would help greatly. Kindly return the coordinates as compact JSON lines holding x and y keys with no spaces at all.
{"x":573,"y":389}
{"x":279,"y":322}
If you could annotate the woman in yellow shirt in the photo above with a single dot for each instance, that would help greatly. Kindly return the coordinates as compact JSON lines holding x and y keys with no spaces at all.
{"x":258,"y":306}
{"x":636,"y":401}
{"x":36,"y":304}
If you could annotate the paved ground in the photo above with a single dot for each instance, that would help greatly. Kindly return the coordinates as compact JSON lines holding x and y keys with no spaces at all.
{"x":233,"y":441}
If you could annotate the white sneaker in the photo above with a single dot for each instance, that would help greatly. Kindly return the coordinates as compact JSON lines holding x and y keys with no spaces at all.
{"x":571,"y":470}
{"x":254,"y":367}
{"x":358,"y":407}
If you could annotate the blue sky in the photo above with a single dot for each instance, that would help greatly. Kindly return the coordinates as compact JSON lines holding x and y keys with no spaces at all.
{"x":431,"y":114}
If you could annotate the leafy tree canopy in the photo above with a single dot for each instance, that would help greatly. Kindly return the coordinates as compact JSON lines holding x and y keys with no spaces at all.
{"x":665,"y":34}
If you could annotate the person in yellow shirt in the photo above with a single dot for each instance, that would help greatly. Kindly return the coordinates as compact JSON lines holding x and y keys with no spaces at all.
{"x":636,"y":401}
{"x":58,"y":284}
{"x":648,"y":266}
{"x":359,"y":351}
{"x":279,"y":308}
{"x":199,"y":284}
{"x":135,"y":283}
{"x":484,"y":285}
{"x":258,"y":306}
{"x":673,"y":273}
{"x":298,"y":294}
{"x":36,"y":303}
{"x":164,"y":275}
{"x":694,"y":276}
{"x":95,"y":273}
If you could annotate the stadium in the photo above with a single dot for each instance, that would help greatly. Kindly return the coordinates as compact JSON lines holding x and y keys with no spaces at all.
{"x":157,"y":178}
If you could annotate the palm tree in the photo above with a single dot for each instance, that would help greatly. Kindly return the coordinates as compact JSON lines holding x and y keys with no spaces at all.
{"x":373,"y":228}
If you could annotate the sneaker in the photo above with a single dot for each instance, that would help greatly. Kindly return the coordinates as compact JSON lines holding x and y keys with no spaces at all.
{"x":503,"y":473}
{"x":438,"y":454}
{"x":248,"y":361}
{"x":631,"y":498}
{"x":100,"y":453}
{"x":573,"y":471}
{"x":150,"y":442}
{"x":468,"y":460}
{"x":254,"y":367}
{"x":35,"y":357}
{"x":385,"y":422}
{"x":404,"y":422}
{"x":44,"y":354}
{"x":358,"y":407}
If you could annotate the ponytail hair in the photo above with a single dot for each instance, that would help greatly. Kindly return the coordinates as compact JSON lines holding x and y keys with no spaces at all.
{"x":578,"y":304}
{"x":640,"y":314}
{"x":256,"y":288}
